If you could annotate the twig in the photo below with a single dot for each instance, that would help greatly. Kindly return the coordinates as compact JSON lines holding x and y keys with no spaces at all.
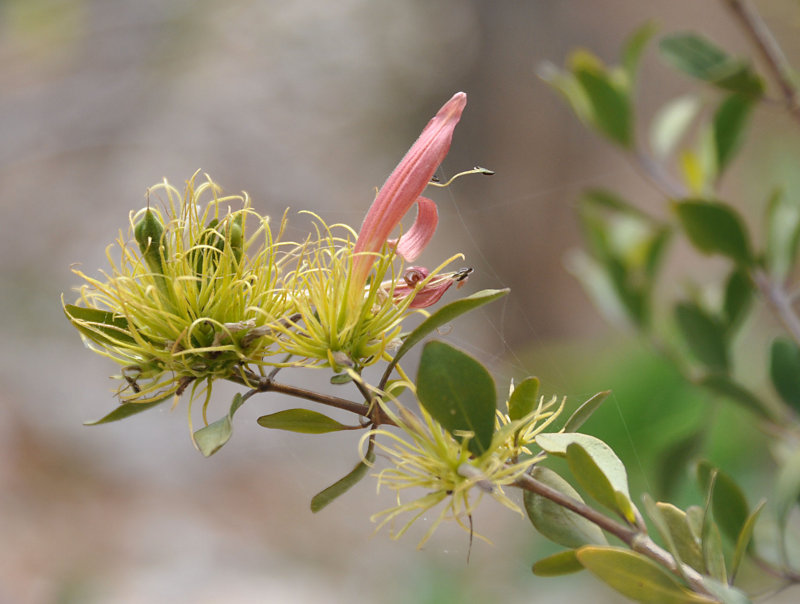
{"x":638,"y":541}
{"x":780,"y":301}
{"x":770,"y":52}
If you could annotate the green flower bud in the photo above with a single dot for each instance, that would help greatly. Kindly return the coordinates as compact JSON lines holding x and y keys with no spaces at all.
{"x":148,"y":233}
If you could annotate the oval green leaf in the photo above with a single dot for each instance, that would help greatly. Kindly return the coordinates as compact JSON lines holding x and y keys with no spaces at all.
{"x":458,"y":392}
{"x":715,"y":228}
{"x":704,"y":335}
{"x":523,"y":399}
{"x":585,"y":411}
{"x":636,"y":577}
{"x":304,"y":421}
{"x":555,"y":522}
{"x":126,"y":410}
{"x":562,"y":563}
{"x":784,"y":370}
{"x":611,"y":108}
{"x":100,"y":326}
{"x":728,"y":502}
{"x":728,"y":127}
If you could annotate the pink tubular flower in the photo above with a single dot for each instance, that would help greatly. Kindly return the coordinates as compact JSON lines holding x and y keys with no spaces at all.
{"x":400,"y":191}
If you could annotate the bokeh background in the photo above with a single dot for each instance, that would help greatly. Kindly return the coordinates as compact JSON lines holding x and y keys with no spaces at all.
{"x":305,"y":104}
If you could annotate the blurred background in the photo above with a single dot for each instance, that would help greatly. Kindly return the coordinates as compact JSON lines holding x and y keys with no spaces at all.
{"x":306,"y":104}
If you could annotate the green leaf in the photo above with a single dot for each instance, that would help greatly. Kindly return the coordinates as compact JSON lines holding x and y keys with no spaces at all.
{"x":728,"y":127}
{"x":585,"y":411}
{"x":595,"y":466}
{"x":674,"y":459}
{"x":686,"y":541}
{"x":126,"y":410}
{"x":712,"y":550}
{"x":739,"y":292}
{"x":603,"y":199}
{"x":562,"y":563}
{"x":664,"y":529}
{"x":612,"y":114}
{"x":671,"y":123}
{"x":724,"y":386}
{"x":442,"y":316}
{"x":636,"y":577}
{"x":787,"y":489}
{"x":301,"y":420}
{"x":727,"y":500}
{"x":715,"y":228}
{"x":555,"y":522}
{"x":634,"y":47}
{"x":783,"y":235}
{"x":724,"y":592}
{"x":704,"y":335}
{"x":212,"y":437}
{"x":700,"y":58}
{"x":744,"y":540}
{"x":458,"y":392}
{"x":523,"y":399}
{"x":100,"y":326}
{"x":344,"y":484}
{"x":571,"y":90}
{"x":784,"y":370}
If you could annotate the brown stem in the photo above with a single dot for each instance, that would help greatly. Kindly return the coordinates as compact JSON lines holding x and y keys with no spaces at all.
{"x":780,"y":301}
{"x":770,"y":52}
{"x":637,"y":540}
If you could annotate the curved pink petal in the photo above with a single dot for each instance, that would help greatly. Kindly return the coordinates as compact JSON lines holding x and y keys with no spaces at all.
{"x":411,"y":244}
{"x":403,"y":187}
{"x":431,"y":292}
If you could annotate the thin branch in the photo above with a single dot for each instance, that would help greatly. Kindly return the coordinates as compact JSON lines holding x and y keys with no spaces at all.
{"x":638,"y":541}
{"x":780,"y":301}
{"x":770,"y":52}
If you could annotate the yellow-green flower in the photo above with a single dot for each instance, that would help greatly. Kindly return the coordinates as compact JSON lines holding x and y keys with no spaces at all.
{"x":192,"y":298}
{"x":425,"y":456}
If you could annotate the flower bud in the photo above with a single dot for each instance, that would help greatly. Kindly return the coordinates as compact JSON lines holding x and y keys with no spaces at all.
{"x":148,"y":233}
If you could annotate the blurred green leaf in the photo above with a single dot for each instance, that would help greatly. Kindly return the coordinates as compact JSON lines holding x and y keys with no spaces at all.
{"x":715,"y":228}
{"x":700,"y":58}
{"x":301,"y":420}
{"x":744,"y":541}
{"x":704,"y":335}
{"x":783,"y":234}
{"x":634,"y":47}
{"x":728,"y":127}
{"x":727,"y":500}
{"x":724,"y":592}
{"x":787,"y":491}
{"x":458,"y":392}
{"x":99,"y":326}
{"x":603,"y":199}
{"x":784,"y":370}
{"x":712,"y":551}
{"x":636,"y":577}
{"x":571,"y":90}
{"x":442,"y":316}
{"x":671,"y":123}
{"x":585,"y":411}
{"x":344,"y":484}
{"x":724,"y":386}
{"x":556,"y":522}
{"x":211,"y":438}
{"x":562,"y":563}
{"x":739,"y":293}
{"x":523,"y":399}
{"x":663,"y":527}
{"x":611,"y":108}
{"x":126,"y":410}
{"x":674,"y":460}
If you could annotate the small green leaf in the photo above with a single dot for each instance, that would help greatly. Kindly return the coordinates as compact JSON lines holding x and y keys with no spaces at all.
{"x":612,"y":114}
{"x":338,"y":379}
{"x":787,"y":490}
{"x":739,"y":292}
{"x":301,"y":420}
{"x":442,"y":316}
{"x":704,"y":335}
{"x":686,"y":541}
{"x":712,"y":551}
{"x":724,"y":386}
{"x":126,"y":410}
{"x":585,"y":411}
{"x":591,"y":476}
{"x":783,"y":234}
{"x":675,"y":458}
{"x":700,"y":58}
{"x":728,"y":127}
{"x":784,"y":370}
{"x":523,"y":399}
{"x":458,"y":392}
{"x":725,"y":593}
{"x":570,"y":89}
{"x":344,"y":484}
{"x":603,"y":199}
{"x":100,"y":326}
{"x":744,"y":540}
{"x":212,"y":437}
{"x":636,"y":577}
{"x":555,"y":522}
{"x":727,"y":500}
{"x":634,"y":47}
{"x":562,"y":563}
{"x":715,"y":228}
{"x":671,"y":123}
